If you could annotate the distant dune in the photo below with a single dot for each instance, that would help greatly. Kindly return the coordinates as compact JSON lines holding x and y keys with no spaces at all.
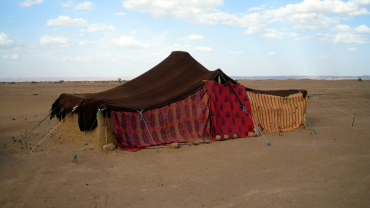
{"x":52,"y":79}
{"x":302,"y":77}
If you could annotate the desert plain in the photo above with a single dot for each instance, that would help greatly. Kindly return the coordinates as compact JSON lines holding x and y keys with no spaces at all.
{"x":328,"y":169}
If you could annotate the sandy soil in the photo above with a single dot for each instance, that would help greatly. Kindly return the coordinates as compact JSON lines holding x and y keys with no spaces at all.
{"x":329,"y":169}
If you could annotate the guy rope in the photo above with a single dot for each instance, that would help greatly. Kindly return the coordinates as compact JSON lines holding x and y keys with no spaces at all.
{"x":257,"y":129}
{"x":48,"y":123}
{"x":244,"y":109}
{"x":353,"y":115}
{"x":150,"y":134}
{"x":49,"y":111}
{"x":32,"y":149}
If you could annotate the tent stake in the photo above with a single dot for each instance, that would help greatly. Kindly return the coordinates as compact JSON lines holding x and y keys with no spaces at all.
{"x":353,"y":120}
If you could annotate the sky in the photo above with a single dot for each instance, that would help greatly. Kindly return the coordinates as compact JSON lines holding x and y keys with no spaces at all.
{"x":125,"y":38}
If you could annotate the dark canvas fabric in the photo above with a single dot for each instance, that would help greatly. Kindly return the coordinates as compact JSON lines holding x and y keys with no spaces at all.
{"x":280,"y":93}
{"x":185,"y":121}
{"x":227,"y":115}
{"x":176,"y":77}
{"x":173,"y":79}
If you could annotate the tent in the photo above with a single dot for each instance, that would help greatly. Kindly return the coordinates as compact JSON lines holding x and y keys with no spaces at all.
{"x":178,"y":100}
{"x":278,"y":111}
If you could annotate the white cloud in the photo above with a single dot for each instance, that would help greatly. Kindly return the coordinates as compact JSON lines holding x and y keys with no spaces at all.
{"x":325,"y":36}
{"x":339,"y":38}
{"x":118,"y":14}
{"x":104,"y":55}
{"x":177,"y":47}
{"x":267,"y":33}
{"x":128,"y":41}
{"x":254,"y":30}
{"x":322,"y":7}
{"x":14,"y":56}
{"x":134,"y":31}
{"x":294,"y":34}
{"x":235,"y":52}
{"x":350,"y":38}
{"x":272,"y":54}
{"x":66,"y":21}
{"x":123,"y":41}
{"x":362,"y":29}
{"x":5,"y":40}
{"x":309,"y":14}
{"x":326,"y":56}
{"x":315,"y":14}
{"x":321,"y":36}
{"x":273,"y":33}
{"x":352,"y":49}
{"x":196,"y":12}
{"x":97,"y":27}
{"x":6,"y":56}
{"x":201,"y":48}
{"x":342,"y":28}
{"x":255,"y":9}
{"x":310,"y":21}
{"x":361,"y":2}
{"x":57,"y":41}
{"x":84,"y":6}
{"x":86,"y":43}
{"x":68,"y":4}
{"x":192,"y":37}
{"x":78,"y":58}
{"x":29,"y":3}
{"x":162,"y":8}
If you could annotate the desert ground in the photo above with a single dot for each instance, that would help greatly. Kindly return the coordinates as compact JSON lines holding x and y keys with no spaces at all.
{"x":329,"y":169}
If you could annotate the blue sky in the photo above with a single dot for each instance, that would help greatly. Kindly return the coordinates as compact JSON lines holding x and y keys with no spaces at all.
{"x":41,"y":38}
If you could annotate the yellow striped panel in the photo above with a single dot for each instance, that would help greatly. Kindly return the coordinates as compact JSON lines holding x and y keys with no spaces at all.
{"x":275,"y":113}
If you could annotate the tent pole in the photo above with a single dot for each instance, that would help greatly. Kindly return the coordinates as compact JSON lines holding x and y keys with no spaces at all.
{"x":232,"y":90}
{"x":243,"y":107}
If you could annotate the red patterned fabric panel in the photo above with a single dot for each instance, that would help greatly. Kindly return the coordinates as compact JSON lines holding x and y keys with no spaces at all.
{"x":187,"y":120}
{"x":227,"y":115}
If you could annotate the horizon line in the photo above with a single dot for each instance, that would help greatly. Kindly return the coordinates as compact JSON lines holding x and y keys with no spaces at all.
{"x":127,"y":78}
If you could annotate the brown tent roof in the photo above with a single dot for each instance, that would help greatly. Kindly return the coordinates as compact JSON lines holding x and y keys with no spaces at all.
{"x":176,"y":77}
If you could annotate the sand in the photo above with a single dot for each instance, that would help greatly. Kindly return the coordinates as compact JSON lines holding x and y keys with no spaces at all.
{"x":329,"y":169}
